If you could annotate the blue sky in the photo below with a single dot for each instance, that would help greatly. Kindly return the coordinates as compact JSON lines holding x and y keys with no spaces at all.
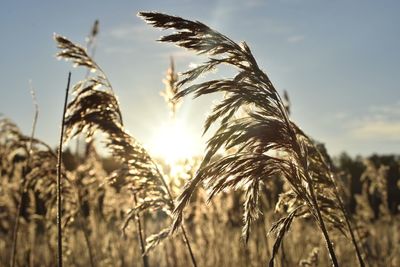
{"x":339,"y":61}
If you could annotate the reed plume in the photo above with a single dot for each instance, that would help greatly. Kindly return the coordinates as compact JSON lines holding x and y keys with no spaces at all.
{"x":171,"y":89}
{"x":95,"y":108}
{"x":259,"y":139}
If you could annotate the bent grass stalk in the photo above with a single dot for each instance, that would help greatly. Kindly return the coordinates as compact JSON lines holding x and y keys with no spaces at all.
{"x":303,"y":161}
{"x":59,"y":181}
{"x":95,"y":107}
{"x":253,"y":123}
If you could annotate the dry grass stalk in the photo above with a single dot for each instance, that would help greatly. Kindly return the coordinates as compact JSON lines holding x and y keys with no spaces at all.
{"x":22,"y":186}
{"x":95,"y":107}
{"x":255,"y":131}
{"x":171,"y":89}
{"x":91,"y":50}
{"x":59,"y":181}
{"x":91,"y":39}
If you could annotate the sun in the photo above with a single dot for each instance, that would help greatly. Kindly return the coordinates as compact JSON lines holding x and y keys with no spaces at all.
{"x":173,"y":142}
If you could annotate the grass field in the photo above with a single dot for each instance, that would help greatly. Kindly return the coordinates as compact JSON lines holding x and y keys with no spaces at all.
{"x":263,"y":193}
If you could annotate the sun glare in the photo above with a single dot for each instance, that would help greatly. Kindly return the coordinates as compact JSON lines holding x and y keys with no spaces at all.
{"x":172,"y":142}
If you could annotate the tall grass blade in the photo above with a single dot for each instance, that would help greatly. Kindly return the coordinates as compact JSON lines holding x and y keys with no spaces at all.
{"x":59,"y":180}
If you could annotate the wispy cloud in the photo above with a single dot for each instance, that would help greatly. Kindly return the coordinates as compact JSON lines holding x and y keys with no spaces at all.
{"x":130,"y":32}
{"x":377,"y":130}
{"x":128,"y":38}
{"x":381,"y":123}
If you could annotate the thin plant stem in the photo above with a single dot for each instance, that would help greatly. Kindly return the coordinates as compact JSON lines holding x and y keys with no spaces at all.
{"x":35,"y":118}
{"x":341,"y":205}
{"x":85,"y":231}
{"x":283,"y":256}
{"x":33,"y":230}
{"x":353,"y":238}
{"x":140,"y":235}
{"x":304,"y":165}
{"x":323,"y":229}
{"x":16,"y":226}
{"x":314,"y":202}
{"x":87,"y":241}
{"x":59,"y":162}
{"x":22,"y":185}
{"x":363,"y":249}
{"x":32,"y":237}
{"x":345,"y":215}
{"x":348,"y":224}
{"x":185,"y":238}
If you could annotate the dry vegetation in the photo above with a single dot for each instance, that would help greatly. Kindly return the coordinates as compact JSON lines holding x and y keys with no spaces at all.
{"x":274,"y":195}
